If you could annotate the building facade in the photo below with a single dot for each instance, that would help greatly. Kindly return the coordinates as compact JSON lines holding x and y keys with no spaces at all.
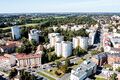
{"x":55,"y":37}
{"x":113,"y":58}
{"x":92,"y":38}
{"x":100,"y":59}
{"x":81,"y":42}
{"x":34,"y":34}
{"x":84,"y":70}
{"x":66,"y":48}
{"x":30,"y":60}
{"x":63,"y":48}
{"x":84,"y":43}
{"x":75,"y":42}
{"x":16,"y":34}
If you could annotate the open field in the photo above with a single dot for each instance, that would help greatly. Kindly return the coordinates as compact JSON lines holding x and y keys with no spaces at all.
{"x":97,"y":77}
{"x":27,"y":25}
{"x":42,"y":74}
{"x":52,"y":72}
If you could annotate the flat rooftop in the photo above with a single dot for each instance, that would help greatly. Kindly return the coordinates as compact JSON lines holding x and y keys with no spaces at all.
{"x":83,"y":68}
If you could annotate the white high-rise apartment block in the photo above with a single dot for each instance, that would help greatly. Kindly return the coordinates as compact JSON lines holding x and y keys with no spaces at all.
{"x":54,"y":37}
{"x":66,"y":48}
{"x":63,"y":48}
{"x":84,"y":43}
{"x":76,"y":41}
{"x":16,"y":32}
{"x":34,"y":34}
{"x":81,"y":42}
{"x":58,"y":48}
{"x":92,"y":38}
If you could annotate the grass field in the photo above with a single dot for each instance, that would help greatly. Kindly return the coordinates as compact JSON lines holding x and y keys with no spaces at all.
{"x":42,"y":74}
{"x":100,"y":78}
{"x":77,"y":63}
{"x":52,"y":72}
{"x":27,"y":25}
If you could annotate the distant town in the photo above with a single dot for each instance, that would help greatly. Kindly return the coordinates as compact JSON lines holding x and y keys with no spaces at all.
{"x":60,"y":46}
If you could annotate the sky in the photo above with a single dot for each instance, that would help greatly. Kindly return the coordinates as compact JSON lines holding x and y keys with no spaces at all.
{"x":31,"y":6}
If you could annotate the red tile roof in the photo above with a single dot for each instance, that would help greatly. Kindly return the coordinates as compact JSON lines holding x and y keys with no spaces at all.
{"x":115,"y":49}
{"x":8,"y":46}
{"x":25,"y":56}
{"x":3,"y":58}
{"x":18,"y":43}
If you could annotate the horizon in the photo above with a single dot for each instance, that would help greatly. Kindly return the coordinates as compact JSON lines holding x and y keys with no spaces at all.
{"x":66,"y":6}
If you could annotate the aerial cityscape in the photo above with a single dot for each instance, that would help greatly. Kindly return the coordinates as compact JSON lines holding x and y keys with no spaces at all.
{"x":60,"y":40}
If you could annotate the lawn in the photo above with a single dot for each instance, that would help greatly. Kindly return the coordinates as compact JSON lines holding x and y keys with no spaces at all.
{"x":27,"y":25}
{"x":42,"y":74}
{"x":52,"y":72}
{"x":77,"y":63}
{"x":100,"y":78}
{"x":107,"y":66}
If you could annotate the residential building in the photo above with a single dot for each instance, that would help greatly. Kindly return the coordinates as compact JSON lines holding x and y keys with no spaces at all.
{"x":2,"y":42}
{"x":16,"y":34}
{"x":39,"y":49}
{"x":17,"y":43}
{"x":54,"y":37}
{"x":53,"y":34}
{"x":8,"y":48}
{"x":81,"y":42}
{"x":66,"y":48}
{"x":111,"y":42}
{"x":113,"y":58}
{"x":84,"y":43}
{"x":76,"y":27}
{"x":92,"y":38}
{"x":30,"y":60}
{"x":76,"y":42}
{"x":115,"y":50}
{"x":63,"y":48}
{"x":100,"y":59}
{"x":34,"y":34}
{"x":58,"y":48}
{"x":7,"y":60}
{"x":84,"y":70}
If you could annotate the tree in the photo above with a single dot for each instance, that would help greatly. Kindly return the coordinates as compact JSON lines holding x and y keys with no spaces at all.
{"x":49,"y":57}
{"x":94,"y":52}
{"x":67,"y":62}
{"x":1,"y":30}
{"x":58,"y":63}
{"x":113,"y":76}
{"x":33,"y":42}
{"x":24,"y":32}
{"x":78,"y":51}
{"x":118,"y":69}
{"x":24,"y":40}
{"x":51,"y":49}
{"x":25,"y":48}
{"x":64,"y":68}
{"x":13,"y":73}
{"x":52,"y":57}
{"x":26,"y":76}
{"x":102,"y":49}
{"x":18,"y":50}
